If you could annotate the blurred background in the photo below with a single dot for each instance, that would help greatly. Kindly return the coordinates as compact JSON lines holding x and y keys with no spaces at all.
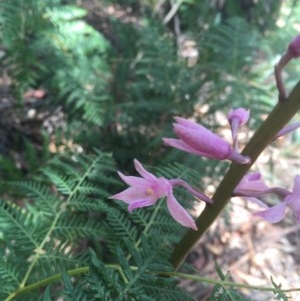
{"x":85,"y":75}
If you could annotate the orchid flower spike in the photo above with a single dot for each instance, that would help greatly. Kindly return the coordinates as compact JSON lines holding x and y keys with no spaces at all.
{"x":293,"y":51}
{"x":146,"y":190}
{"x":196,"y":139}
{"x":292,"y":200}
{"x":237,"y":118}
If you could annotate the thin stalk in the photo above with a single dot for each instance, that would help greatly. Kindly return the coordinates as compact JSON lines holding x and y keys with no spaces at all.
{"x":196,"y":278}
{"x":278,"y":118}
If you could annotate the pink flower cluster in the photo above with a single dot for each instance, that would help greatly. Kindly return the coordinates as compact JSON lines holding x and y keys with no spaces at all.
{"x":193,"y":138}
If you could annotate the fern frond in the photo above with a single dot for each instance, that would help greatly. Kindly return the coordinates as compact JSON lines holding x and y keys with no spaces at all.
{"x":45,"y":201}
{"x":85,"y":204}
{"x":72,"y":293}
{"x":20,"y":230}
{"x":56,"y":259}
{"x":72,"y":226}
{"x":122,"y":226}
{"x":62,"y":183}
{"x":9,"y":275}
{"x":234,"y":39}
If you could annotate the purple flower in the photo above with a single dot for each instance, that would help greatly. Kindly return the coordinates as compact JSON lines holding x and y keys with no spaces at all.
{"x":196,"y":139}
{"x":293,"y":51}
{"x":288,"y":129}
{"x":146,"y":190}
{"x":292,"y":200}
{"x":252,"y":186}
{"x":237,"y":118}
{"x":294,"y":47}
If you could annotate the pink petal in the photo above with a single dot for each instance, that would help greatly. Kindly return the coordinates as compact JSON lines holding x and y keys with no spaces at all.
{"x":142,"y":171}
{"x":273,"y":214}
{"x":235,"y":156}
{"x":288,"y":129}
{"x":141,"y":203}
{"x":294,"y":47}
{"x":296,"y":189}
{"x":239,"y":114}
{"x":204,"y":140}
{"x":256,"y":201}
{"x":179,"y":213}
{"x":251,"y":188}
{"x":130,"y":194}
{"x":293,"y":199}
{"x":135,"y":181}
{"x":251,"y":182}
{"x":179,"y":144}
{"x":252,"y":176}
{"x":188,"y":123}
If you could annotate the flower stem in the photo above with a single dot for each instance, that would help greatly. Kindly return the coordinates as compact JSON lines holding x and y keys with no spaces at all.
{"x":278,"y":118}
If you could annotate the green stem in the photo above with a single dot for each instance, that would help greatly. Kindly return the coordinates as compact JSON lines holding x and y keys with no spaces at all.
{"x":85,"y":269}
{"x":278,"y":118}
{"x":226,"y":283}
{"x":47,"y":281}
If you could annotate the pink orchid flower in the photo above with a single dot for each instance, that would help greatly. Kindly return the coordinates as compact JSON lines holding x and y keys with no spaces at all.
{"x":196,"y":139}
{"x":292,"y":200}
{"x":293,"y":51}
{"x":237,"y":118}
{"x":252,"y":186}
{"x":146,"y":191}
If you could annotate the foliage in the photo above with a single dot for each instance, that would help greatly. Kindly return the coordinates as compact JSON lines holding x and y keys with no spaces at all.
{"x":47,"y":44}
{"x":222,"y":293}
{"x":48,"y":233}
{"x":118,"y":74}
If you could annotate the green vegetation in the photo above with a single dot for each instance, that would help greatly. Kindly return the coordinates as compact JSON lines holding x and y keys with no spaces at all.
{"x":86,"y":87}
